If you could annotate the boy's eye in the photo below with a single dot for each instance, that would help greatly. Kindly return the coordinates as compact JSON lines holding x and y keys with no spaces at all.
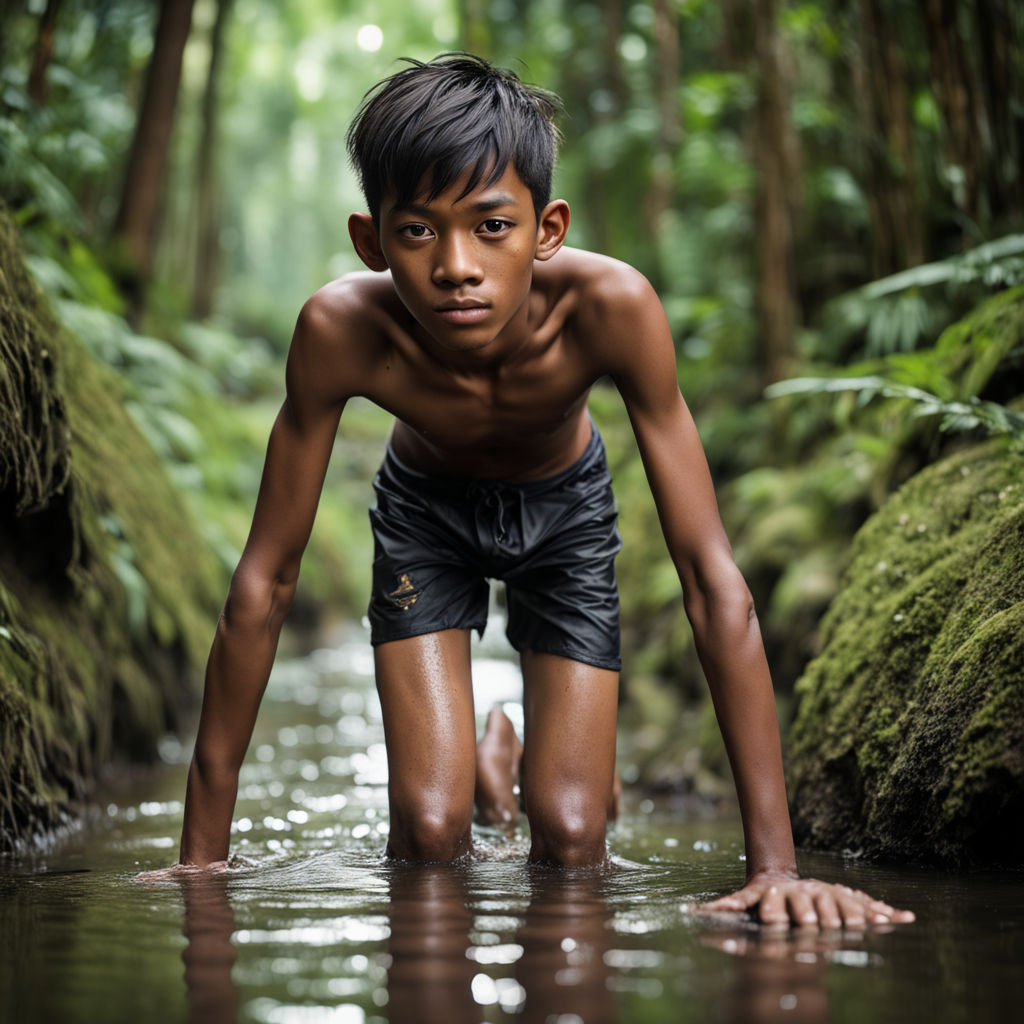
{"x":414,"y":230}
{"x":494,"y":226}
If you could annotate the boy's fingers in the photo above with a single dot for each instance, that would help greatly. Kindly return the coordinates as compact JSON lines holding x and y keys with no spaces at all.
{"x":884,"y":910}
{"x":807,"y":902}
{"x":741,"y":900}
{"x":772,"y":909}
{"x":851,"y":910}
{"x":828,"y":911}
{"x":801,"y":909}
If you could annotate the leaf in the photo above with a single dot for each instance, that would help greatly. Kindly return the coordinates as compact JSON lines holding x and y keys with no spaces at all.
{"x":957,"y":416}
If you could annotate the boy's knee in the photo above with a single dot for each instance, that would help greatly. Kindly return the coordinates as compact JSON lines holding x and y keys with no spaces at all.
{"x":568,"y":834}
{"x":430,"y":831}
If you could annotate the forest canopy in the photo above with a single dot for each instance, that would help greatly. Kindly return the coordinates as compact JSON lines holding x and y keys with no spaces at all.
{"x":755,"y":159}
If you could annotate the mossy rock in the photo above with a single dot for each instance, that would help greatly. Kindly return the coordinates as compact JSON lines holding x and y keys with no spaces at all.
{"x":908,"y":742}
{"x":107,"y":593}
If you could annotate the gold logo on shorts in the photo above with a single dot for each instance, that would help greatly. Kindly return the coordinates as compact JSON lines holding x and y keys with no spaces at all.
{"x":405,"y":595}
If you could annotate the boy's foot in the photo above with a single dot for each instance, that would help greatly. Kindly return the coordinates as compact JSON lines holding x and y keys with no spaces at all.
{"x":498,"y":755}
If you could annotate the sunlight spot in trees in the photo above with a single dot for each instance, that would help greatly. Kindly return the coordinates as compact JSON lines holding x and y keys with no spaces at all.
{"x":310,"y":77}
{"x":632,"y":47}
{"x":370,"y":38}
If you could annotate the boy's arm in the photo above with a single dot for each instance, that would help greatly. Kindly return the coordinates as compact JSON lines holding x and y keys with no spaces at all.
{"x":263,"y":585}
{"x":721,"y":612}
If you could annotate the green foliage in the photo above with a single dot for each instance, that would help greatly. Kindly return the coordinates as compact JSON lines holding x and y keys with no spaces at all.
{"x":184,"y":397}
{"x":838,"y":454}
{"x":948,"y":380}
{"x":806,"y":474}
{"x":904,"y":311}
{"x":57,"y":159}
{"x":205,"y":395}
{"x":956,"y":416}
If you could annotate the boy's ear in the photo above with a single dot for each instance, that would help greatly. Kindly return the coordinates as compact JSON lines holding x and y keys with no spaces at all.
{"x":552,"y":229}
{"x":363,"y":233}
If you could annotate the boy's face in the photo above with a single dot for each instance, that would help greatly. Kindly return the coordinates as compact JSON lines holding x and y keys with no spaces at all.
{"x":463,"y":266}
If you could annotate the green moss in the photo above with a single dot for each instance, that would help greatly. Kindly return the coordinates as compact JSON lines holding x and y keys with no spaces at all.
{"x":909,"y":734}
{"x":34,"y":461}
{"x":107,"y":594}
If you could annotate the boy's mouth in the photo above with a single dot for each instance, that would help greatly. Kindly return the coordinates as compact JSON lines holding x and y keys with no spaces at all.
{"x":464,"y":311}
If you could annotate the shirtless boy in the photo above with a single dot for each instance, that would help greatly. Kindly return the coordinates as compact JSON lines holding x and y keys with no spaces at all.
{"x":482,"y":334}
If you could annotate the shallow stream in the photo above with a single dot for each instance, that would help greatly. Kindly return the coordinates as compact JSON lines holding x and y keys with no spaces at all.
{"x":315,"y":926}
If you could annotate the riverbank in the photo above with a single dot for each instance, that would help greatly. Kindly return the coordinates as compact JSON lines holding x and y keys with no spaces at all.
{"x":107,"y":589}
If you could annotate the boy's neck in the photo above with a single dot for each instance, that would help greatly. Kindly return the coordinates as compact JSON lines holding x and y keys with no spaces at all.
{"x":513,"y":342}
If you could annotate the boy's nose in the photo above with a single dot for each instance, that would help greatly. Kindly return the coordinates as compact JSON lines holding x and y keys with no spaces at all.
{"x":456,"y":262}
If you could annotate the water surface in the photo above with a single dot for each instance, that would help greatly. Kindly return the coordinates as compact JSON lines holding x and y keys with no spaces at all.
{"x":313,"y":925}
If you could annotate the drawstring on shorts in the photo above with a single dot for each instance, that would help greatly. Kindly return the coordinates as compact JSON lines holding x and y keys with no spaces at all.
{"x":492,"y":501}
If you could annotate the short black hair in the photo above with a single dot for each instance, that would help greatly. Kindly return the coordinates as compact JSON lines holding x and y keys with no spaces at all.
{"x":424,"y":126}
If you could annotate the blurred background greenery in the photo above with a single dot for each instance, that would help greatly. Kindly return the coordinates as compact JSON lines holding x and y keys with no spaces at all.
{"x":821,"y":192}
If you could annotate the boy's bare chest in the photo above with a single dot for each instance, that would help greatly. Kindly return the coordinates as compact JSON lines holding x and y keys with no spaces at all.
{"x":514,"y":420}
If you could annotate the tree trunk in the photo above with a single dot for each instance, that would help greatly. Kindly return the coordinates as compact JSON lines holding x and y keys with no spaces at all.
{"x":208,"y":192}
{"x":37,"y":87}
{"x":998,"y":43}
{"x":136,"y":223}
{"x":963,"y":118}
{"x":612,"y":82}
{"x":889,"y":173}
{"x":659,"y":195}
{"x":736,"y":44}
{"x":776,"y":158}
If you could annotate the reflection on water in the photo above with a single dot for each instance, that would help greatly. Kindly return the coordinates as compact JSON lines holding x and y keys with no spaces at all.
{"x":566,"y":936}
{"x":430,"y":978}
{"x":313,"y":924}
{"x":210,"y":953}
{"x":457,"y":944}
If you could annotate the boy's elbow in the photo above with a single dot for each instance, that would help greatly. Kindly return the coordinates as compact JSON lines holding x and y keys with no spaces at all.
{"x":717,"y":593}
{"x":258,"y":601}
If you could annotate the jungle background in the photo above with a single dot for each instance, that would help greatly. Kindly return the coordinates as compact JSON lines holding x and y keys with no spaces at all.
{"x":826,"y":194}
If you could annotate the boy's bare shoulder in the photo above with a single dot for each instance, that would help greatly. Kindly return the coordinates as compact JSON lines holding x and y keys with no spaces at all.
{"x":344,"y":331}
{"x":612,"y":302}
{"x":356,"y":307}
{"x":594,"y":275}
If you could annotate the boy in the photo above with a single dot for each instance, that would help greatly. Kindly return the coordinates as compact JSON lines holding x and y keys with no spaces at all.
{"x":483,"y":336}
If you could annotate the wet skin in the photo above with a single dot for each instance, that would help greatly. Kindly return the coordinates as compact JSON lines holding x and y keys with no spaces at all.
{"x":482,"y":335}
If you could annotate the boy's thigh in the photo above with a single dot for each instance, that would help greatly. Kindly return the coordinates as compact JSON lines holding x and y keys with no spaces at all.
{"x":570,"y":711}
{"x":426,"y":697}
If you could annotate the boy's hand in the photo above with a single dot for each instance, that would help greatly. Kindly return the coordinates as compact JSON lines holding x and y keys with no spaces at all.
{"x":806,"y":903}
{"x":180,"y":872}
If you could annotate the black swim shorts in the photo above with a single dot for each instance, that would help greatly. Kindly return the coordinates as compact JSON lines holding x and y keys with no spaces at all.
{"x":437,"y":541}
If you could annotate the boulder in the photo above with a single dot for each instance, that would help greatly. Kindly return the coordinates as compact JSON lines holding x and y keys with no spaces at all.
{"x":908,"y":740}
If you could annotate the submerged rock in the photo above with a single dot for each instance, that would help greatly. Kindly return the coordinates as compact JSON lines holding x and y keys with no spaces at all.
{"x":107,"y":592}
{"x":908,"y":741}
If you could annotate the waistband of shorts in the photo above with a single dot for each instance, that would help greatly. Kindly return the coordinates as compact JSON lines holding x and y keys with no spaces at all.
{"x":592,"y":454}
